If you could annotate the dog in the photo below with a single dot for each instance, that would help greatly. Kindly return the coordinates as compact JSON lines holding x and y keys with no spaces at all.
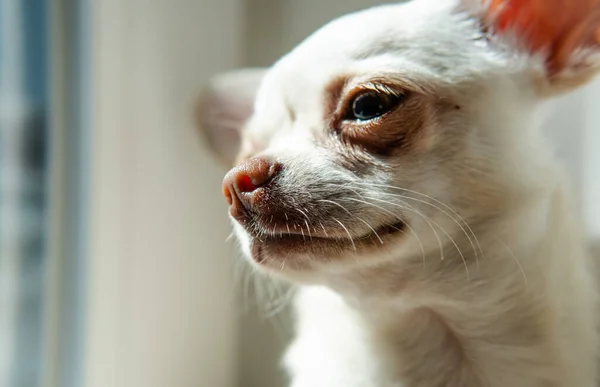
{"x":394,"y":167}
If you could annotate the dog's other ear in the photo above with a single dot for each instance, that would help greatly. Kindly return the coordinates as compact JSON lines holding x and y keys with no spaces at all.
{"x":565,"y":33}
{"x":224,"y":107}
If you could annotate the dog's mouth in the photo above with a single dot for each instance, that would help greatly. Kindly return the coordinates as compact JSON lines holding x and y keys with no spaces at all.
{"x":269,"y":248}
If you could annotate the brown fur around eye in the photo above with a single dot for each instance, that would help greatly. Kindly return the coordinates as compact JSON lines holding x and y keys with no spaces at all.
{"x":333,"y":97}
{"x":360,"y":144}
{"x":396,"y":132}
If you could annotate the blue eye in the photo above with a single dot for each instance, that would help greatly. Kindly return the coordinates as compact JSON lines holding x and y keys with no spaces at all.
{"x":370,"y":105}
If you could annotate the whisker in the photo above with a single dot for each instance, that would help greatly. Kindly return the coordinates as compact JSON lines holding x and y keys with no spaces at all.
{"x":430,"y":222}
{"x":424,"y":195}
{"x":372,"y":229}
{"x":427,"y":219}
{"x":354,"y":216}
{"x":268,"y":296}
{"x":324,"y":230}
{"x":347,"y":232}
{"x":395,"y":217}
{"x":279,"y":305}
{"x":473,"y":240}
{"x":512,"y":254}
{"x":308,"y":229}
{"x":477,"y":251}
{"x":305,"y":221}
{"x":302,"y":212}
{"x":336,"y":204}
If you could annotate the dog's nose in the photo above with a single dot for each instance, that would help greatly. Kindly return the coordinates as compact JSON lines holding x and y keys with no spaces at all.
{"x":242,"y":185}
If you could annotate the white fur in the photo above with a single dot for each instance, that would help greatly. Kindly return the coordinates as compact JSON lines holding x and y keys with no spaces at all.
{"x":522,"y":310}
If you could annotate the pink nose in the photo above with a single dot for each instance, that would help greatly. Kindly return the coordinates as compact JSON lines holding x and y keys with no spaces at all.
{"x":242,"y":186}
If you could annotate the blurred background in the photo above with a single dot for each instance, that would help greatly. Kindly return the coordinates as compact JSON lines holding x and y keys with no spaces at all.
{"x":114,"y":265}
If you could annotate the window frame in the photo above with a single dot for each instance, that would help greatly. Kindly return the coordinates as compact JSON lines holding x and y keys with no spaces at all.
{"x":69,"y":163}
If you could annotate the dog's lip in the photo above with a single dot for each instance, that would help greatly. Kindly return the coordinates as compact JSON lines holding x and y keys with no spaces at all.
{"x":269,"y":250}
{"x":307,"y":238}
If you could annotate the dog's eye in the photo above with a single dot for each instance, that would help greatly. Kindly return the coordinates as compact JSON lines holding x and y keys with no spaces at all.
{"x":370,"y":105}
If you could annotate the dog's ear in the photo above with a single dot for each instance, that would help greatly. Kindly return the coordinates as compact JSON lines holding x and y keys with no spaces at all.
{"x":565,"y":33}
{"x":224,"y":107}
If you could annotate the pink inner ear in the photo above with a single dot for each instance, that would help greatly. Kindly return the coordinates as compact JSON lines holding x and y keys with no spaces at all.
{"x":556,"y":27}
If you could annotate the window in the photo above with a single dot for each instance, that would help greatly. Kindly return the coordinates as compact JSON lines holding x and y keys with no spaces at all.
{"x":23,"y":173}
{"x":42,"y":159}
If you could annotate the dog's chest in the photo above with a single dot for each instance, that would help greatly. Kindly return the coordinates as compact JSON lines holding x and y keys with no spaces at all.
{"x":332,"y":348}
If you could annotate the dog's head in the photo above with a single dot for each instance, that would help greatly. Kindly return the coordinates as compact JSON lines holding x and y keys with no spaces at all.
{"x":388,"y":131}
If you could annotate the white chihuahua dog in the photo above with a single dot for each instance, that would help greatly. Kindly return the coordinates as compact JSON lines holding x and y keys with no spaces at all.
{"x":393,"y":166}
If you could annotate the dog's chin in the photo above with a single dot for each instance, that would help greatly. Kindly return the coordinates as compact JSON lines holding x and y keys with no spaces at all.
{"x":293,"y":255}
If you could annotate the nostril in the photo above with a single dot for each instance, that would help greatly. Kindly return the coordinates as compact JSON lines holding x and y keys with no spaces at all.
{"x":252,"y":174}
{"x":258,"y":172}
{"x":245,"y":184}
{"x":241,"y":185}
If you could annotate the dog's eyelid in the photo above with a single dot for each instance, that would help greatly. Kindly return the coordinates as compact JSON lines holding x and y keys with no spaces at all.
{"x":379,"y":87}
{"x":395,"y":97}
{"x":343,"y":90}
{"x":382,"y":88}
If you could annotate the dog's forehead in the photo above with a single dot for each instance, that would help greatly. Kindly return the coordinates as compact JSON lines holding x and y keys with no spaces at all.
{"x":421,"y":33}
{"x":414,"y":39}
{"x":415,"y":25}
